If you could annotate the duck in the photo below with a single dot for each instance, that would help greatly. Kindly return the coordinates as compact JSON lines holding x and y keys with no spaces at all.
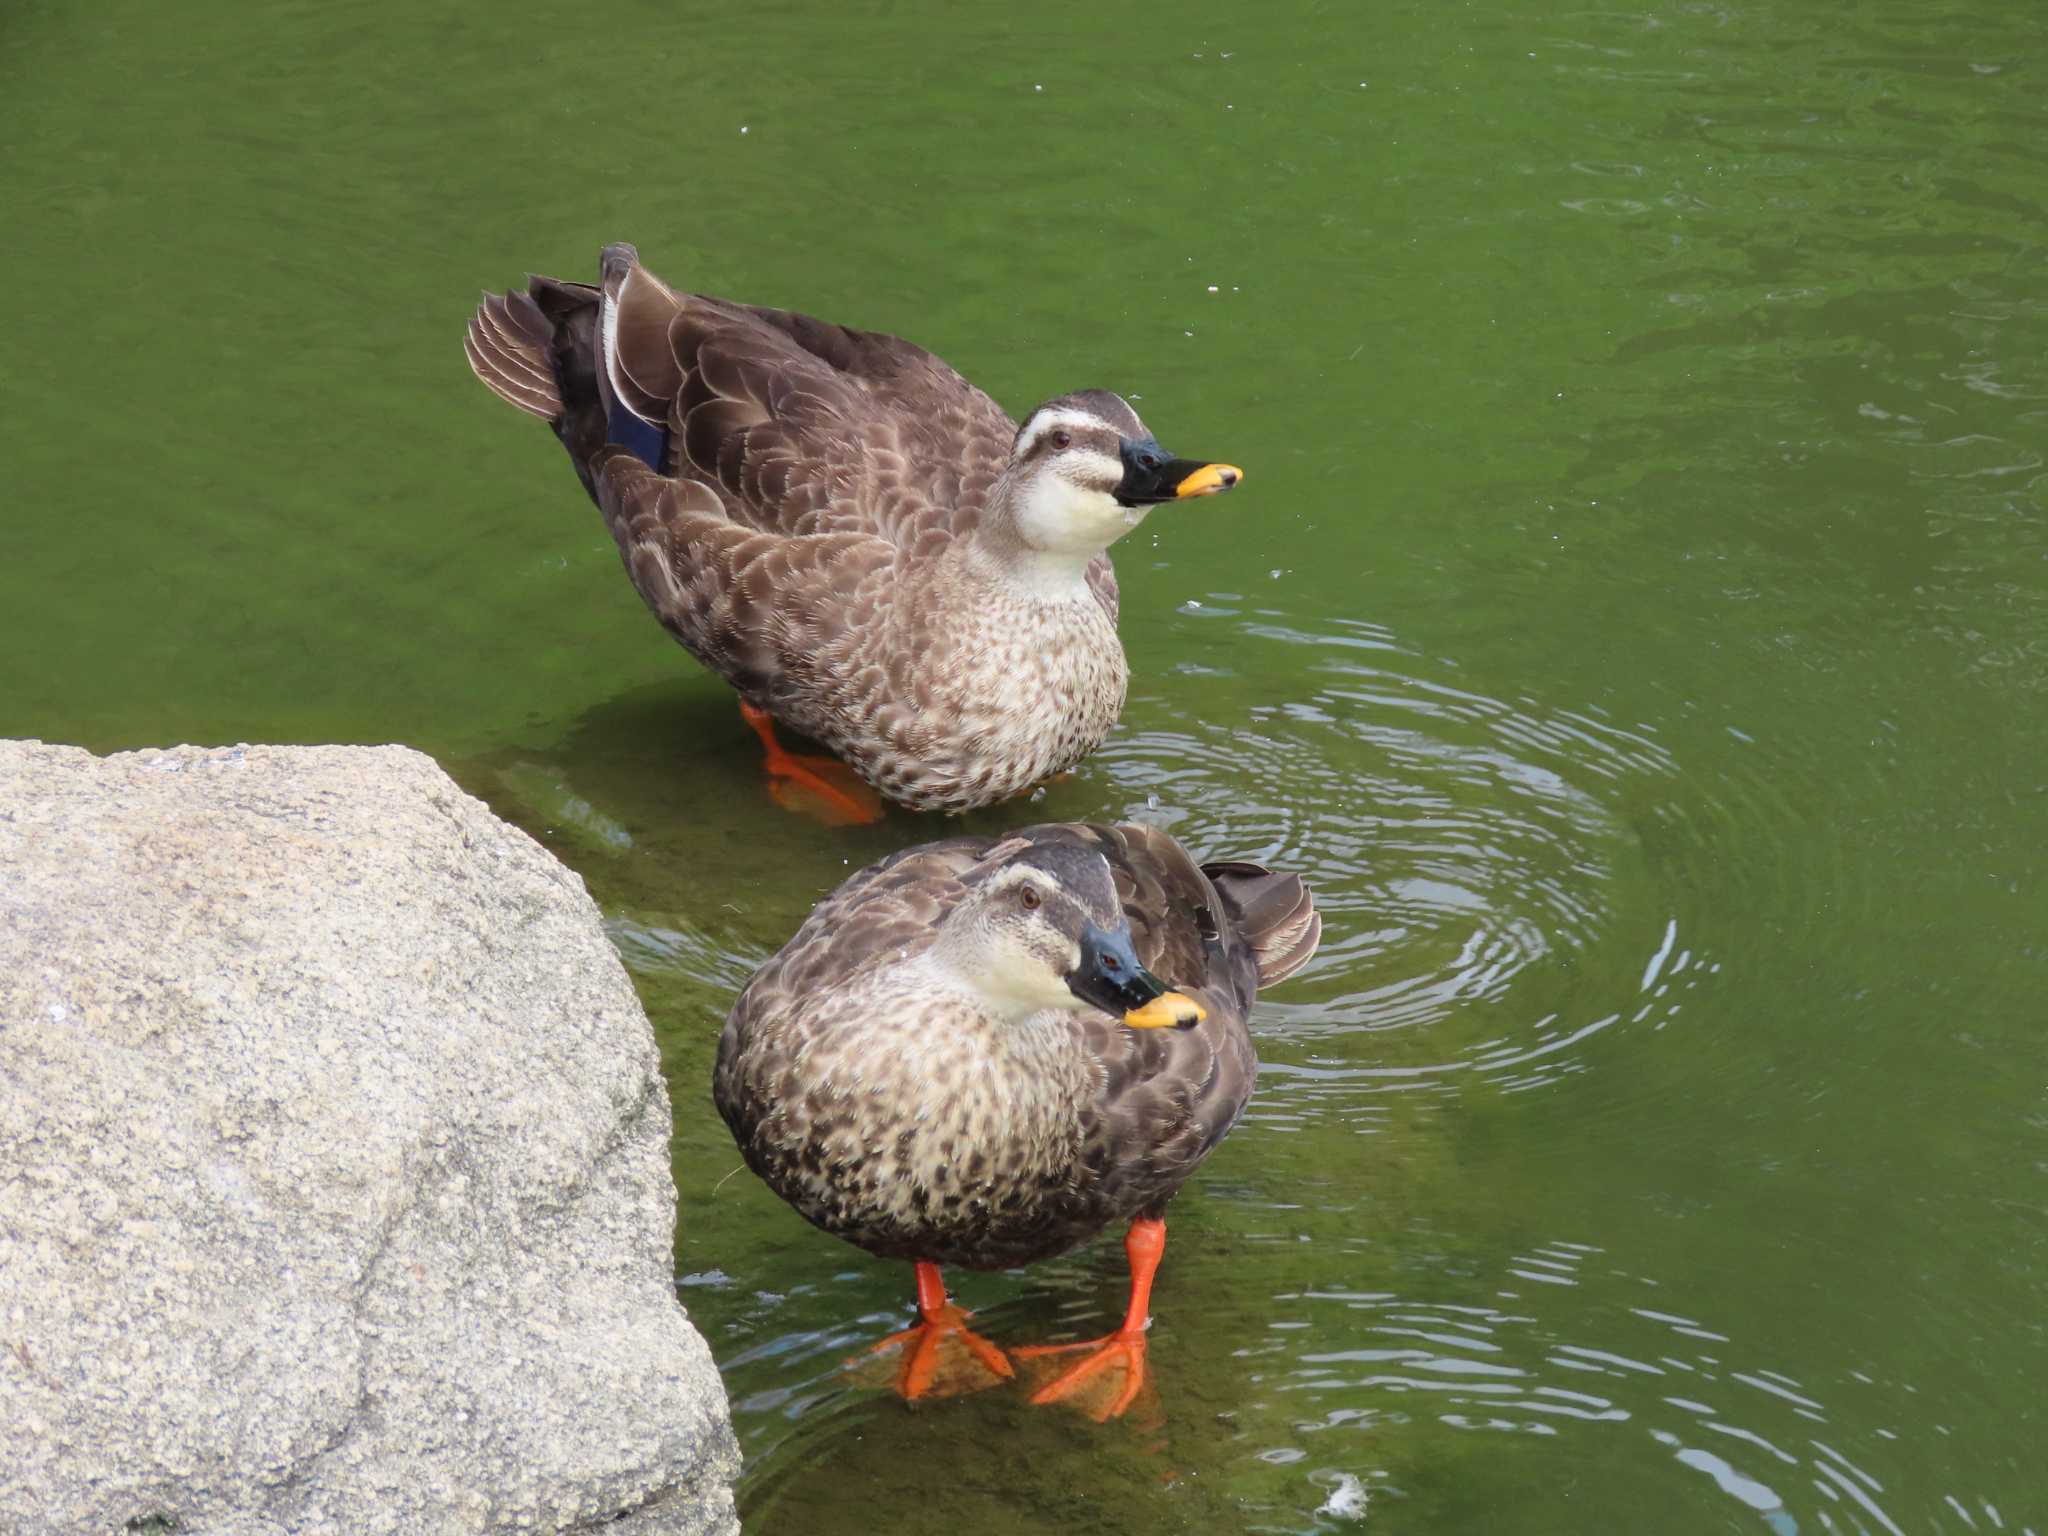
{"x":862,"y":543}
{"x":982,"y":1052}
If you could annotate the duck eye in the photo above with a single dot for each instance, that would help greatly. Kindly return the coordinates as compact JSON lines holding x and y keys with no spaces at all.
{"x":1029,"y":898}
{"x":1062,"y":438}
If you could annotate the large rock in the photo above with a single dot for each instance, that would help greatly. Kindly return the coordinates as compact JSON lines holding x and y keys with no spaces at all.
{"x":334,"y":1178}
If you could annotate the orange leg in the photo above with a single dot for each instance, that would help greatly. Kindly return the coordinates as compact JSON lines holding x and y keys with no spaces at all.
{"x":1107,"y":1378}
{"x":821,"y":787}
{"x":942,"y":1356}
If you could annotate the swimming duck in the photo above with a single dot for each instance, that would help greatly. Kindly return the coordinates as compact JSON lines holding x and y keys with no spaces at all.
{"x":856,"y":538}
{"x":982,"y":1052}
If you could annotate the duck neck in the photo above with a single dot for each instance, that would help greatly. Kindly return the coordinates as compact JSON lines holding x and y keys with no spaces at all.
{"x":1000,"y":550}
{"x":960,"y":963}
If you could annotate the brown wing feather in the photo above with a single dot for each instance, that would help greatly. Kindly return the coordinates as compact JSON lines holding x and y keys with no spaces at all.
{"x":1173,"y":1094}
{"x":802,"y":426}
{"x":755,"y":544}
{"x":888,"y":911}
{"x":641,"y":368}
{"x":959,"y":437}
{"x":758,"y":608}
{"x":801,"y":441}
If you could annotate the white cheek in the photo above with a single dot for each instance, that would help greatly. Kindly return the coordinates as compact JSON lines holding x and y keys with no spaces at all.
{"x":1021,"y":976}
{"x":1060,"y":517}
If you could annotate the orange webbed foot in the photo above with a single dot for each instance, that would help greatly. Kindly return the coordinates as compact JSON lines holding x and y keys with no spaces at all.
{"x":1103,"y":1383}
{"x":1111,"y":1373}
{"x":943,"y":1357}
{"x":822,"y":788}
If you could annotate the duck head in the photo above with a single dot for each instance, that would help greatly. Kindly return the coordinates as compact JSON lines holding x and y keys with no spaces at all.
{"x":1042,"y":928}
{"x":1084,"y":471}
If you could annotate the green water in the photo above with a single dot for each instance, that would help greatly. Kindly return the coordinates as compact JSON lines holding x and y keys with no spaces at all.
{"x":1635,"y":623}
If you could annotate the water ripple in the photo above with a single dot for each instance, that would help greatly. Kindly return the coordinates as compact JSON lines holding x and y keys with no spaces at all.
{"x":1455,"y":841}
{"x":1797,"y":1453}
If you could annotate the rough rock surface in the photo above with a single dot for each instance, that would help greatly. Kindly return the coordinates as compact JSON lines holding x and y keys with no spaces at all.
{"x":334,"y":1178}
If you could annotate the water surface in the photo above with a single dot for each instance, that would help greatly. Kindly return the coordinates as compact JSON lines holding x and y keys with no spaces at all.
{"x":1634,"y":623}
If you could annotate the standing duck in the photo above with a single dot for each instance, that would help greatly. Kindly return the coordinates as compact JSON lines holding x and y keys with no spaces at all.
{"x":982,"y":1052}
{"x":856,"y":538}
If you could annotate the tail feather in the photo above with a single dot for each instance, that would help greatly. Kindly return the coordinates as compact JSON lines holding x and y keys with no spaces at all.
{"x":553,"y":351}
{"x":508,"y":345}
{"x":1276,"y":914}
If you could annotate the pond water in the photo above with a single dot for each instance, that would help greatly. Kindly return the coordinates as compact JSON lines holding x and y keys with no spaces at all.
{"x":1634,"y":623}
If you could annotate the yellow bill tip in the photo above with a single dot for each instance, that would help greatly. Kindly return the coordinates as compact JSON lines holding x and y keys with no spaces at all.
{"x":1169,"y":1010}
{"x":1208,"y":481}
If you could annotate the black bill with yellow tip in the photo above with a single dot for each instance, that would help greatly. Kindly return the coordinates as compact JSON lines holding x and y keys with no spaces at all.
{"x":1110,"y":977}
{"x":1151,"y":477}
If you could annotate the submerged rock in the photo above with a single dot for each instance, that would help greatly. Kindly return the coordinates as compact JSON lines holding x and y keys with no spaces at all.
{"x":334,"y":1171}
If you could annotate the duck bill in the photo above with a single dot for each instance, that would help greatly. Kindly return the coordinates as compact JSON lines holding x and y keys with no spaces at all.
{"x":1110,"y":977}
{"x":1203,"y":479}
{"x":1169,"y":1010}
{"x":1150,"y":477}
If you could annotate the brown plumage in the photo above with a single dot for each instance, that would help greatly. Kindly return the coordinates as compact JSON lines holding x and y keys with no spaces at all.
{"x":835,"y":521}
{"x":896,"y":1073}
